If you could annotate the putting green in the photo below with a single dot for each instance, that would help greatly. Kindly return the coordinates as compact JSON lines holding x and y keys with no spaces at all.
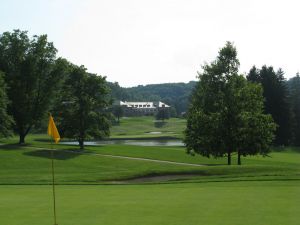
{"x":223,"y":203}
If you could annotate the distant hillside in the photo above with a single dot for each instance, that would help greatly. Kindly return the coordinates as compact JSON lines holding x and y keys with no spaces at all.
{"x":174,"y":94}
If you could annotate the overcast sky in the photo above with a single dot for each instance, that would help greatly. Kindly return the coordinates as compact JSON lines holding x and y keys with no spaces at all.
{"x":160,"y":41}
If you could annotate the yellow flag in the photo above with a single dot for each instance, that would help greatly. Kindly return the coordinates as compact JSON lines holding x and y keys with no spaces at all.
{"x":52,"y":130}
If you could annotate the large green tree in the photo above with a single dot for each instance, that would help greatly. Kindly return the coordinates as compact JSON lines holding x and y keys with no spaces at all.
{"x":226,"y":112}
{"x":276,"y":96}
{"x":248,"y":131}
{"x":82,"y":107}
{"x":5,"y":119}
{"x":294,"y":84}
{"x":32,"y":74}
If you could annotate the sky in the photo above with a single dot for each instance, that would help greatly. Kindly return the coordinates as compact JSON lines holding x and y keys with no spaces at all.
{"x":138,"y":42}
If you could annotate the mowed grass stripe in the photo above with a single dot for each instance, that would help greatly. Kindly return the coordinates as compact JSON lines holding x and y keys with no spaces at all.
{"x":27,"y":166}
{"x":118,"y":156}
{"x":238,"y":203}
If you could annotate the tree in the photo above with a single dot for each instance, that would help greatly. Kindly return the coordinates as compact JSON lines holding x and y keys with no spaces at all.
{"x":294,"y":84}
{"x":118,"y":112}
{"x":226,"y":112}
{"x":162,"y":114}
{"x":82,"y":106}
{"x":173,"y":112}
{"x":117,"y":92}
{"x":5,"y":119}
{"x":32,"y":74}
{"x":276,"y":96}
{"x":254,"y":75}
{"x":248,"y":130}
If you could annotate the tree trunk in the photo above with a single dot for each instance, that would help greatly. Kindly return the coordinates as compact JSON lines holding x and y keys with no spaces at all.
{"x":239,"y":158}
{"x":81,"y":144}
{"x":22,"y":134}
{"x":229,"y":158}
{"x":22,"y":139}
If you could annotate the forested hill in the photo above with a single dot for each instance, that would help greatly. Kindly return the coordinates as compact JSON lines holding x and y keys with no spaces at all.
{"x":174,"y":94}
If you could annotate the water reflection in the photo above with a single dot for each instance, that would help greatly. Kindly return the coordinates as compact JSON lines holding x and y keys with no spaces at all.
{"x":131,"y":142}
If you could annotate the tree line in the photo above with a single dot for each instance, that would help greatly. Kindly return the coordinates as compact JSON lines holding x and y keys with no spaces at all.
{"x":174,"y":94}
{"x":35,"y":82}
{"x":281,"y":99}
{"x":235,"y":114}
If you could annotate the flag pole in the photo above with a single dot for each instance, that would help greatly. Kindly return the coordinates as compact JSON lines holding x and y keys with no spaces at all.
{"x":53,"y":183}
{"x":53,"y":132}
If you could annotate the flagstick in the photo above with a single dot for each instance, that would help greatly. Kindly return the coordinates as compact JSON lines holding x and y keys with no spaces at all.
{"x":53,"y":184}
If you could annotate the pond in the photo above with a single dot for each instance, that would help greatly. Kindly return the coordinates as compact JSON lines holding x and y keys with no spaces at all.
{"x":130,"y":142}
{"x":153,"y":132}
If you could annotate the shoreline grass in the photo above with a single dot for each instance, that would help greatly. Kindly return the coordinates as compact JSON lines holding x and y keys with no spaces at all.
{"x":30,"y":164}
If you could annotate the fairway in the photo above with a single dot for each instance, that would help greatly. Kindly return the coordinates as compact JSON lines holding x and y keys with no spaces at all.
{"x":31,"y":165}
{"x":134,"y":113}
{"x":98,"y":186}
{"x":148,"y":127}
{"x":215,"y":203}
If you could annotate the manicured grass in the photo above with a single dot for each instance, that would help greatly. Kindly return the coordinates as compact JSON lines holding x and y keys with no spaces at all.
{"x":216,"y":203}
{"x":139,"y":127}
{"x":29,"y":165}
{"x":262,"y":191}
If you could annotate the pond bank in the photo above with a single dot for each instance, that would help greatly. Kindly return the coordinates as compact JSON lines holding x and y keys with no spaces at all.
{"x":136,"y":142}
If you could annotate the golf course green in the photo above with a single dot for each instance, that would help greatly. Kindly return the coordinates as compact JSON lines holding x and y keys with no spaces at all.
{"x":260,"y":203}
{"x":128,"y":185}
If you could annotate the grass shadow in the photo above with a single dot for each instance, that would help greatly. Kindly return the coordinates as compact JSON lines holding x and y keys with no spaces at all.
{"x":286,"y":148}
{"x":143,"y":138}
{"x":7,"y":147}
{"x":59,"y":155}
{"x":215,"y":164}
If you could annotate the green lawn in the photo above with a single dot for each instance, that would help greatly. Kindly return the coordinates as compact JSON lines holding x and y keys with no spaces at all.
{"x":262,"y":191}
{"x":29,"y":165}
{"x":139,"y":127}
{"x":216,"y":203}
